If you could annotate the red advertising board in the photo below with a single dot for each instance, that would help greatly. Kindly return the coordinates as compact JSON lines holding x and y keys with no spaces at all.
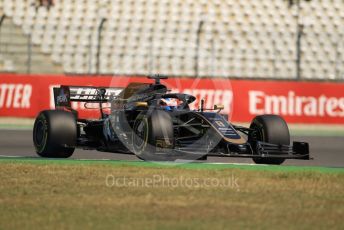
{"x":297,"y":102}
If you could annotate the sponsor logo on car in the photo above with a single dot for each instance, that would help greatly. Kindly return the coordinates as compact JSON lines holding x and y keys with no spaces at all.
{"x":62,"y":98}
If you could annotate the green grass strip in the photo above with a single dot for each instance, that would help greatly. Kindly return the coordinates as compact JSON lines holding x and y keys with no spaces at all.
{"x":190,"y":165}
{"x":15,"y":127}
{"x":316,"y":133}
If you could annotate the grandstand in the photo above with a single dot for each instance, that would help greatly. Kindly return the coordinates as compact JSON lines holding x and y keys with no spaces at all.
{"x":209,"y":38}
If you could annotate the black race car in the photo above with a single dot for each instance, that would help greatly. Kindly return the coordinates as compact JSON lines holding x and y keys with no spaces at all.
{"x":154,"y":124}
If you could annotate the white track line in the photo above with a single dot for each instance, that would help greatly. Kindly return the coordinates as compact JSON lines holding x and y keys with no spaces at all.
{"x":93,"y":159}
{"x":224,"y":163}
{"x":12,"y":156}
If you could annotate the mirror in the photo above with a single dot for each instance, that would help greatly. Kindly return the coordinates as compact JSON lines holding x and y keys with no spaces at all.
{"x":216,"y":107}
{"x":141,"y":104}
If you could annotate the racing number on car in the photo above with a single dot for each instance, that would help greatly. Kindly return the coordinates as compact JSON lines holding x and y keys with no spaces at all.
{"x":220,"y":123}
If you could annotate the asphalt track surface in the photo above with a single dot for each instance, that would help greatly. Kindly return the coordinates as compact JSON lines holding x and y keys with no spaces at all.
{"x":327,"y":151}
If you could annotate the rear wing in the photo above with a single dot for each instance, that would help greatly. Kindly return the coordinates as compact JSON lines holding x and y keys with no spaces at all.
{"x":64,"y":95}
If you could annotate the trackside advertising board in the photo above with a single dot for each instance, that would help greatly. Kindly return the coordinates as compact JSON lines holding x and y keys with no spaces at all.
{"x":297,"y":102}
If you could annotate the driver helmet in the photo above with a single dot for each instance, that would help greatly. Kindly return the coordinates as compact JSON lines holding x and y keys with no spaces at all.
{"x":169,"y":103}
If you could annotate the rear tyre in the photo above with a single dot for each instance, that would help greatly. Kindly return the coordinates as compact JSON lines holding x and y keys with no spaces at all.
{"x":271,"y":129}
{"x":55,"y":133}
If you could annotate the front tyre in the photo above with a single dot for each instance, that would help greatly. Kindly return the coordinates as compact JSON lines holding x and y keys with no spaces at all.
{"x":55,"y":133}
{"x":153,"y":136}
{"x":271,"y":129}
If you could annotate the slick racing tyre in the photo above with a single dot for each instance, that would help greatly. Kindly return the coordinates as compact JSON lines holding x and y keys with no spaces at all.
{"x":153,"y":136}
{"x":55,"y":133}
{"x":271,"y":129}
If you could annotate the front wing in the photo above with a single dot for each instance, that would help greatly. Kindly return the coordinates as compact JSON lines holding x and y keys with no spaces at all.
{"x":298,"y":150}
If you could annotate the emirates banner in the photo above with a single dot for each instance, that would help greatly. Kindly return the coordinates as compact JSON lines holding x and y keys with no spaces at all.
{"x":297,"y":102}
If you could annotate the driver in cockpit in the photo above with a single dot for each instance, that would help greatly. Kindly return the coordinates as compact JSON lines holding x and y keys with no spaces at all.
{"x":169,"y":104}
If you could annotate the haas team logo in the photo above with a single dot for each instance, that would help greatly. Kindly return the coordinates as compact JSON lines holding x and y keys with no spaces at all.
{"x":62,"y":96}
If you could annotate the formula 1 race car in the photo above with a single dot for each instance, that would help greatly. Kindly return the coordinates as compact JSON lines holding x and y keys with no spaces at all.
{"x":154,"y":124}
